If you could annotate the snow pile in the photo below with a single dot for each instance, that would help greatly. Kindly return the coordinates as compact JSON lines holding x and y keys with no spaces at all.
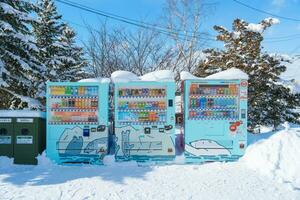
{"x":277,"y":156}
{"x":125,"y":76}
{"x":161,"y":75}
{"x":259,"y":28}
{"x":5,"y":163}
{"x":232,"y":73}
{"x":22,"y":113}
{"x":44,"y":161}
{"x":95,"y":80}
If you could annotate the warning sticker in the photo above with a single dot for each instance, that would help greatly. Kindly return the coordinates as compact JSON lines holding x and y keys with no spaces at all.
{"x":5,"y":120}
{"x":24,"y":140}
{"x":5,"y":139}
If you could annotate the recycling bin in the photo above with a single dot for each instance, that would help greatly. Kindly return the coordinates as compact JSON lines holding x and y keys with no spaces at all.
{"x":22,"y":135}
{"x":6,"y":137}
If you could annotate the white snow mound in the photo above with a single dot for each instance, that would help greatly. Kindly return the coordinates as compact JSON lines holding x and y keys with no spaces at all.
{"x":277,"y":157}
{"x":22,"y":113}
{"x":5,"y":162}
{"x":161,"y":75}
{"x":95,"y":80}
{"x":125,"y":76}
{"x":232,"y":73}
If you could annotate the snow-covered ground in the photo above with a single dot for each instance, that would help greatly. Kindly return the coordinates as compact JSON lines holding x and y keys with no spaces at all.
{"x":269,"y":170}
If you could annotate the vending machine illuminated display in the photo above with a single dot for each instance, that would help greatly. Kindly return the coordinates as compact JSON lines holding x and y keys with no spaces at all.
{"x":215,"y":119}
{"x":77,"y":121}
{"x":144,"y":120}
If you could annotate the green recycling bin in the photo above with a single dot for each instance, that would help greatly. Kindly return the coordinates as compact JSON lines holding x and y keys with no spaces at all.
{"x":27,"y":132}
{"x":6,"y":136}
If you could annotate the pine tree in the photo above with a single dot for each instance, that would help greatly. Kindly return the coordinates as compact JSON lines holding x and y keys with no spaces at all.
{"x":58,"y":50}
{"x":19,"y":67}
{"x":270,"y":101}
{"x":48,"y":29}
{"x":72,"y":67}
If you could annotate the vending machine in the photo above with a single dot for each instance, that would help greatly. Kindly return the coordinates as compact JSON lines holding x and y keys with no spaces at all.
{"x":144,"y":120}
{"x":215,"y":119}
{"x":77,"y":122}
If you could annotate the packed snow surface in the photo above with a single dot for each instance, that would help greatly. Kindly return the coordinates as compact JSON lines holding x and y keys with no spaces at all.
{"x":267,"y":171}
{"x":125,"y":76}
{"x":232,"y":73}
{"x":22,"y":113}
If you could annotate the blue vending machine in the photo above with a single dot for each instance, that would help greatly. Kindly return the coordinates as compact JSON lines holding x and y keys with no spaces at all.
{"x":215,"y":119}
{"x":144,"y":120}
{"x":77,"y":122}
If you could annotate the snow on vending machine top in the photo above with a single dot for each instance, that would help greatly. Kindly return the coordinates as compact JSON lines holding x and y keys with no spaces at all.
{"x":77,"y":121}
{"x":215,"y":117}
{"x":144,"y":116}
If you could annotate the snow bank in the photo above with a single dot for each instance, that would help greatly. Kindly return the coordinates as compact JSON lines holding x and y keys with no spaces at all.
{"x":277,"y":156}
{"x":95,"y":80}
{"x":125,"y":76}
{"x":232,"y":73}
{"x":22,"y":113}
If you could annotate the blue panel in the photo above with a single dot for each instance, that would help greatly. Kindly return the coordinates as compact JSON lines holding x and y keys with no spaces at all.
{"x":215,"y":119}
{"x":77,"y":122}
{"x":144,"y":120}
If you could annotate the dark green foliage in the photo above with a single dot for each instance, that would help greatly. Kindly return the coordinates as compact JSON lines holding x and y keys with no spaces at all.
{"x":270,"y":101}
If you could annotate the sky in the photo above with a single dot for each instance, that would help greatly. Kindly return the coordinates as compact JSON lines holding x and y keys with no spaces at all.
{"x":281,"y":38}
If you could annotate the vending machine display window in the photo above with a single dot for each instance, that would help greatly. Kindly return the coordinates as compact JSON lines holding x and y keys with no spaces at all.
{"x":73,"y":104}
{"x":142,"y":105}
{"x":213,"y":102}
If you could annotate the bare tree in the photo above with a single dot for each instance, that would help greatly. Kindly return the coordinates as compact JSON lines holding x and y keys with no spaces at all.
{"x":139,"y":51}
{"x":184,"y":19}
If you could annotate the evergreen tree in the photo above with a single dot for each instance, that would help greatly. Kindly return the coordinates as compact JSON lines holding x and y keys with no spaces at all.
{"x":72,"y":59}
{"x":48,"y":29}
{"x":63,"y":59}
{"x":270,"y":101}
{"x":19,"y":67}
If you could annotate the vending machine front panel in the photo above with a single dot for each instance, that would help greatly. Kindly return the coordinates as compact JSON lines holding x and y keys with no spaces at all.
{"x":144,"y":120}
{"x":76,"y":115}
{"x":215,"y":119}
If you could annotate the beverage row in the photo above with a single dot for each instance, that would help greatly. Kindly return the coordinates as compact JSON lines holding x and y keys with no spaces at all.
{"x":142,"y":116}
{"x":143,"y":92}
{"x":74,"y":90}
{"x":148,"y":105}
{"x":196,"y":89}
{"x":213,"y":114}
{"x":212,"y":103}
{"x":77,"y":103}
{"x":67,"y":117}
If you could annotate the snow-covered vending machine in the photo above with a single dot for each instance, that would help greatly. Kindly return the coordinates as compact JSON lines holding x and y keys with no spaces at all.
{"x":77,"y":121}
{"x":215,"y":119}
{"x":144,"y":117}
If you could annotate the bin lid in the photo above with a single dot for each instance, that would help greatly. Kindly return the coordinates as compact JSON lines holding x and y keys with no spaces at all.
{"x":22,"y":113}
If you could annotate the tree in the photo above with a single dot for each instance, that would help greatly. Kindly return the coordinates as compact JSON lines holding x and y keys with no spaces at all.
{"x":73,"y":63}
{"x":138,"y":51}
{"x":19,"y":67}
{"x":270,"y":101}
{"x":183,"y":19}
{"x":48,"y":29}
